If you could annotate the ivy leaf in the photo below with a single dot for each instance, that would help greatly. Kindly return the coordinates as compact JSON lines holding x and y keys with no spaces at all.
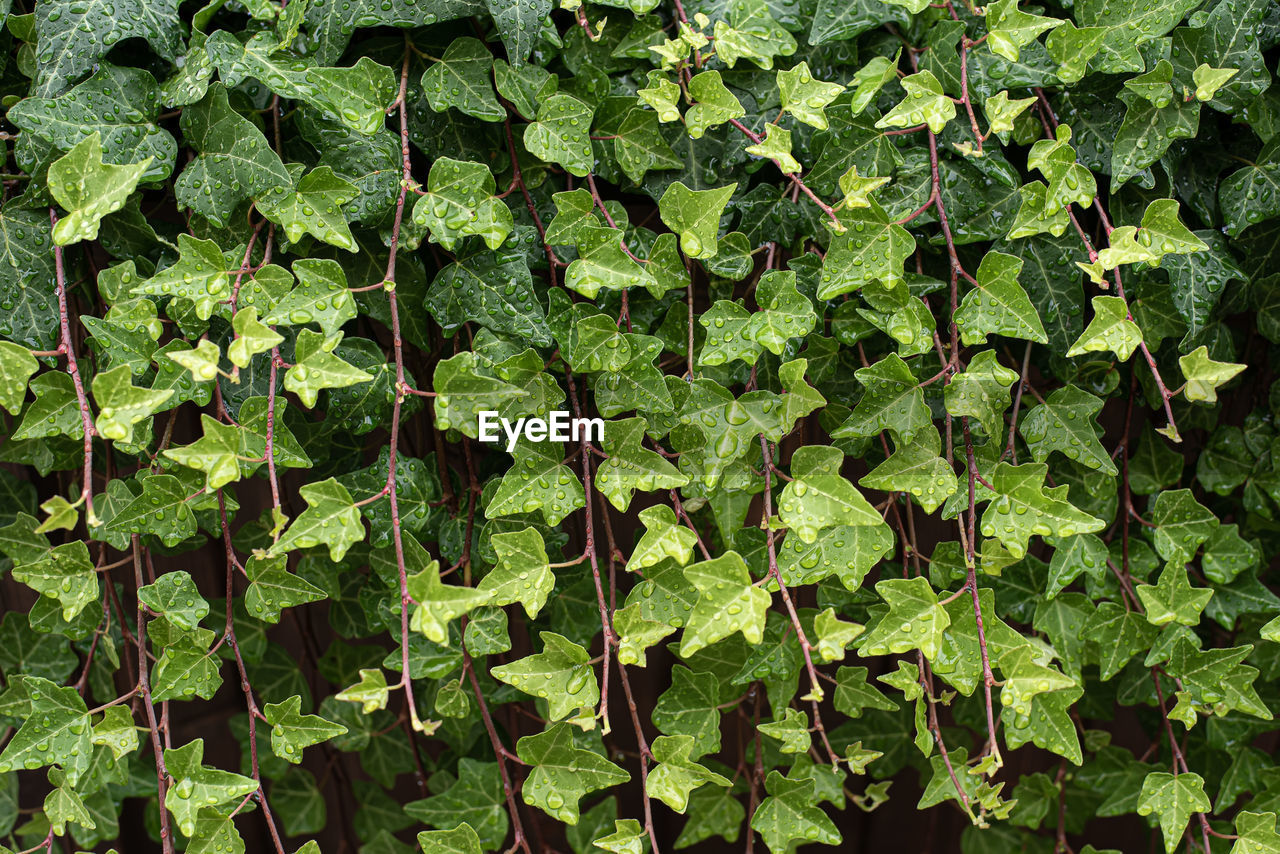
{"x":1162,"y":233}
{"x":713,"y":105}
{"x":460,"y":840}
{"x":727,"y":602}
{"x":602,"y":263}
{"x":981,"y":391}
{"x":57,"y":729}
{"x":1172,"y":599}
{"x":1111,"y":329}
{"x":292,"y":731}
{"x":116,"y":731}
{"x":694,"y":215}
{"x":893,"y":401}
{"x":197,"y":786}
{"x":235,"y":161}
{"x":460,"y":202}
{"x":785,"y":313}
{"x":1120,"y":635}
{"x":925,"y":102}
{"x":915,"y":619}
{"x":663,"y":538}
{"x":199,"y":276}
{"x":792,"y":731}
{"x":315,"y":206}
{"x":216,"y":453}
{"x":89,"y":189}
{"x":251,"y":337}
{"x":161,"y":510}
{"x":461,"y":80}
{"x":1009,"y":28}
{"x":175,"y":596}
{"x":523,"y":573}
{"x":676,"y":775}
{"x":186,"y":670}
{"x":561,"y":674}
{"x":560,"y":135}
{"x":776,"y":146}
{"x":321,"y":297}
{"x":1023,"y":507}
{"x":871,"y":247}
{"x":818,"y":497}
{"x":370,"y":692}
{"x":999,"y":304}
{"x":1257,"y":832}
{"x":121,"y":404}
{"x":317,"y":367}
{"x":272,"y":588}
{"x":1066,"y":422}
{"x":331,"y":519}
{"x":538,"y":481}
{"x":1174,"y":799}
{"x":1182,"y":524}
{"x":917,"y":470}
{"x":789,"y":814}
{"x":805,"y":97}
{"x":1204,"y":375}
{"x":563,"y":772}
{"x":16,"y":367}
{"x":630,"y":466}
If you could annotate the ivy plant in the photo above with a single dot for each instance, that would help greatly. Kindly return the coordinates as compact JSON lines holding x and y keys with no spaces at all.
{"x":921,"y":360}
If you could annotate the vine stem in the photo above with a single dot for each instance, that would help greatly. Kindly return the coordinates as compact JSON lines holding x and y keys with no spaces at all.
{"x":397,"y":344}
{"x":255,"y":714}
{"x":606,"y":623}
{"x":1050,"y":121}
{"x":144,"y":688}
{"x":68,"y":349}
{"x":805,"y":647}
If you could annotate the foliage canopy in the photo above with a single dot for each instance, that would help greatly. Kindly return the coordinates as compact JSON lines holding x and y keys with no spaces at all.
{"x":935,"y":346}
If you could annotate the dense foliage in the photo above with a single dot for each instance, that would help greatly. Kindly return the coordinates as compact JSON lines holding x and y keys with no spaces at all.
{"x":940,"y":466}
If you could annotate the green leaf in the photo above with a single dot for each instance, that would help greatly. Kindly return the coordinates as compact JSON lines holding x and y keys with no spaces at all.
{"x":727,"y":603}
{"x":1111,"y":329}
{"x":196,"y":786}
{"x":1172,"y":599}
{"x":563,"y":772}
{"x":924,"y":103}
{"x":461,"y":80}
{"x":817,"y":497}
{"x":460,"y":840}
{"x":538,"y":481}
{"x":16,"y":367}
{"x":1174,"y":799}
{"x":805,"y":97}
{"x":713,"y":105}
{"x":630,"y":466}
{"x":57,"y":729}
{"x":981,"y":391}
{"x":1023,"y":507}
{"x":317,"y":368}
{"x":176,"y":597}
{"x":1067,"y":422}
{"x":331,"y":519}
{"x":523,"y":573}
{"x":561,"y":134}
{"x":321,"y":297}
{"x":893,"y":401}
{"x":998,"y":304}
{"x":460,"y":202}
{"x":694,"y":215}
{"x":371,"y":691}
{"x":292,"y":731}
{"x":73,"y":38}
{"x":162,"y":510}
{"x":313,"y":206}
{"x":1009,"y":28}
{"x":1204,"y":375}
{"x":89,"y":189}
{"x":789,"y":814}
{"x":676,"y":775}
{"x":915,"y":619}
{"x":272,"y":588}
{"x":871,"y":247}
{"x":235,"y":161}
{"x":1182,"y":524}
